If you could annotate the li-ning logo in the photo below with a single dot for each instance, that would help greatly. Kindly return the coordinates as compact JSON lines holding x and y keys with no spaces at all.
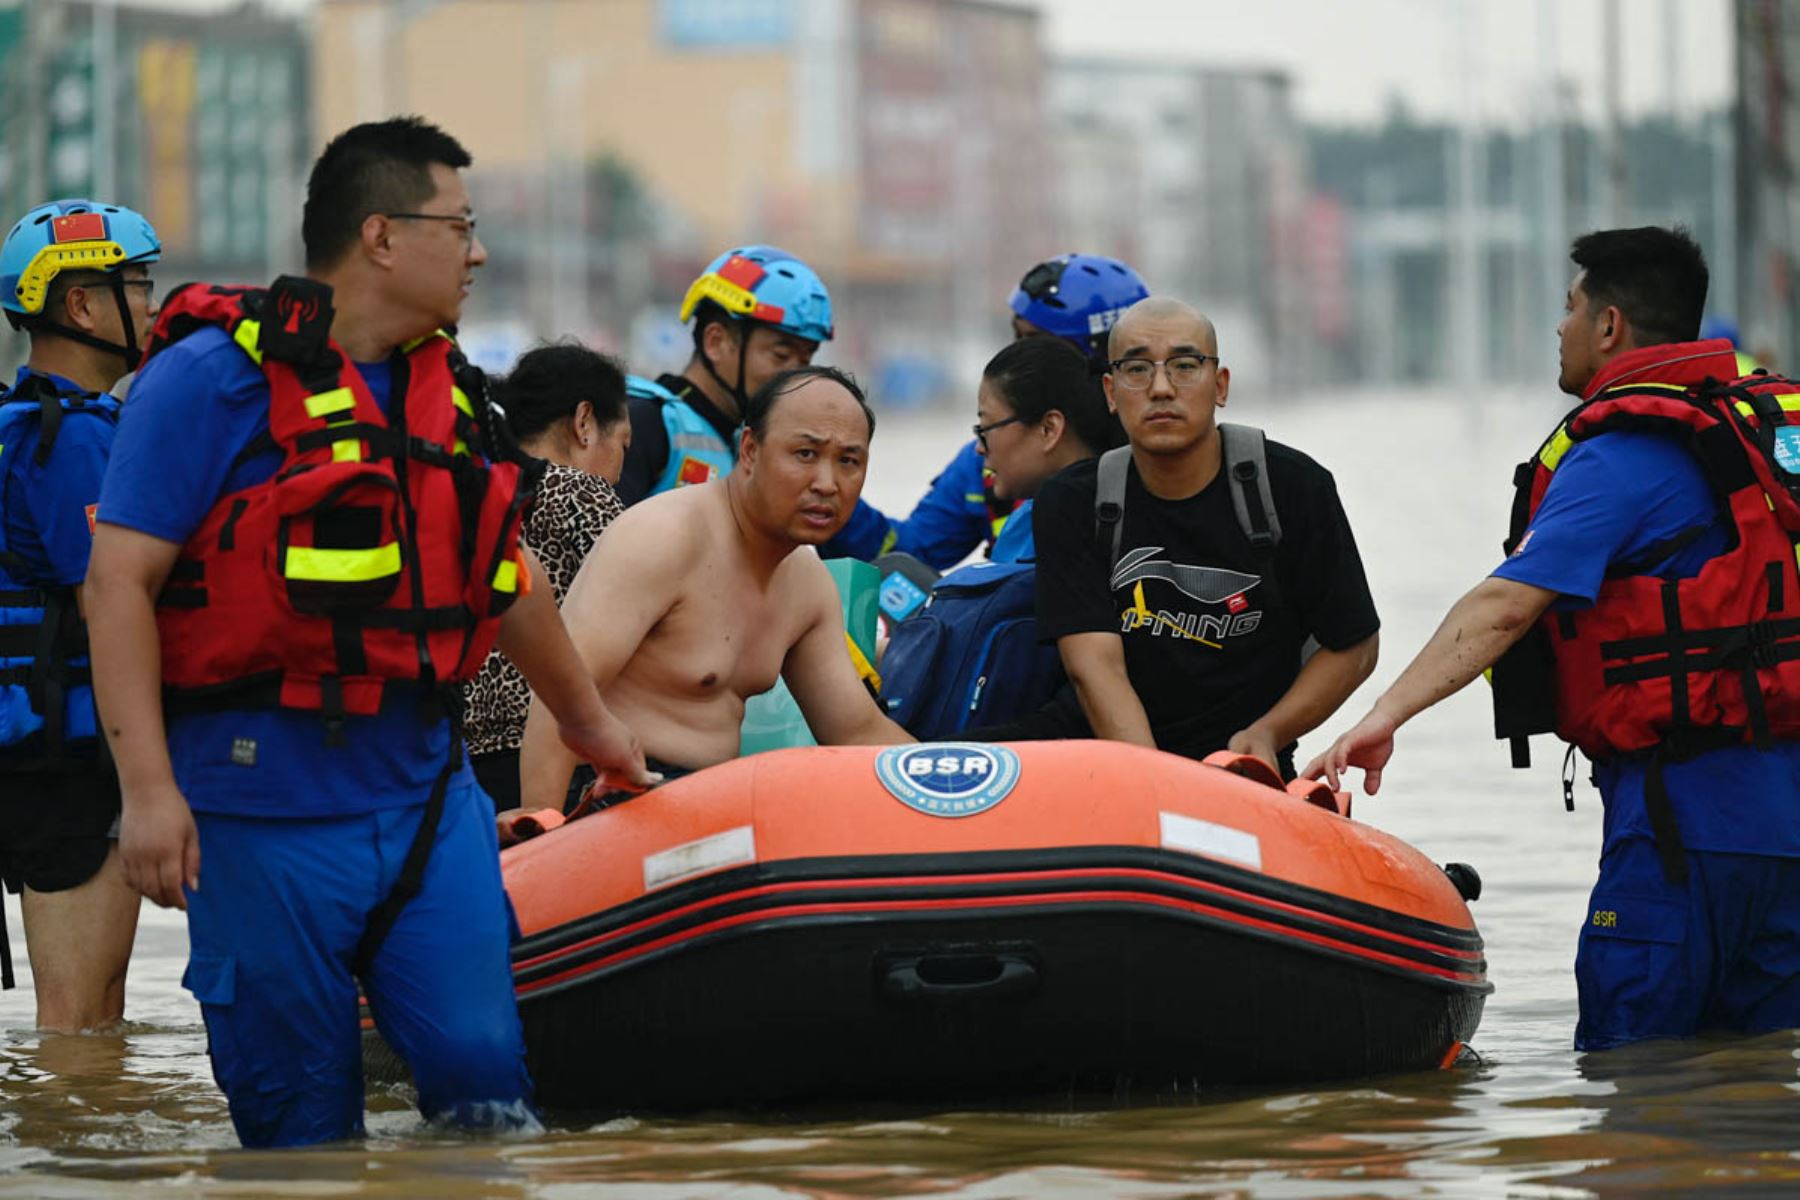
{"x":948,"y":779}
{"x":1208,"y":585}
{"x":296,"y":310}
{"x":1211,"y":586}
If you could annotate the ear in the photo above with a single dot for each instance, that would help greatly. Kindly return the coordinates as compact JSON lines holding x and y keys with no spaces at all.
{"x":1053,"y":427}
{"x":582,"y":420}
{"x":1224,"y":389}
{"x":1106,"y":386}
{"x":720,"y":346}
{"x":377,"y":238}
{"x":1613,"y":330}
{"x":747,"y":449}
{"x":78,"y":307}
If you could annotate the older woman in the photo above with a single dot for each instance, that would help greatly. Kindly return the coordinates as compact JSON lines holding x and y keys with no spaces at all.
{"x":565,"y":404}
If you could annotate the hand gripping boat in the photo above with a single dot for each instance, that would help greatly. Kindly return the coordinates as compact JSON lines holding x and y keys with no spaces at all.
{"x":963,"y":920}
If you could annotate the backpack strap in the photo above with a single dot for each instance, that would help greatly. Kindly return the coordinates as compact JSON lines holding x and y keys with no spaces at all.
{"x":1109,"y":501}
{"x":1247,"y":466}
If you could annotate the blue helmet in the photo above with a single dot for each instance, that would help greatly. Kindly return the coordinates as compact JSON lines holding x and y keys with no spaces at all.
{"x":766,"y":285}
{"x":68,"y":235}
{"x":1078,"y":297}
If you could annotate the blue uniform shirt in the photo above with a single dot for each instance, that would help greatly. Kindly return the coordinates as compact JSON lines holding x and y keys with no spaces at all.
{"x":1611,"y":500}
{"x":950,"y":520}
{"x":1015,"y":542}
{"x":45,"y":507}
{"x":194,"y":408}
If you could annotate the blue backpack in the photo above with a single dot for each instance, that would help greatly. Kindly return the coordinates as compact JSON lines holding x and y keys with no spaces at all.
{"x":971,"y":656}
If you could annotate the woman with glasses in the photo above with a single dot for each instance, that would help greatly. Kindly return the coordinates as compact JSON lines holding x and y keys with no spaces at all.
{"x":1037,"y":412}
{"x":566,"y":404}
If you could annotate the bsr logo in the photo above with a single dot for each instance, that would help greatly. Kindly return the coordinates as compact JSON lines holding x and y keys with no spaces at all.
{"x":948,"y":765}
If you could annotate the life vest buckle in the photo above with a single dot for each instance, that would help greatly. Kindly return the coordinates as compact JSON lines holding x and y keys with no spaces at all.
{"x":1762,"y":644}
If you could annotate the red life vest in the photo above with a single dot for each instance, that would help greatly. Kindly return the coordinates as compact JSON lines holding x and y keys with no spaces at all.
{"x":383,"y":549}
{"x":1685,"y":665}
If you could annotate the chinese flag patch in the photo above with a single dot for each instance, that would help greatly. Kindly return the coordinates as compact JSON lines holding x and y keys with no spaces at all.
{"x":78,"y":227}
{"x":694,"y":470}
{"x":741,"y":271}
{"x":91,"y":510}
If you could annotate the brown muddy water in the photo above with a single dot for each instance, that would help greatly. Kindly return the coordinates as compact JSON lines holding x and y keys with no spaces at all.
{"x":1424,"y":479}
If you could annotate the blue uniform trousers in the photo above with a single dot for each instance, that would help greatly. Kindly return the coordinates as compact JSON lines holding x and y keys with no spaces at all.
{"x":1721,"y":952}
{"x":273,"y":928}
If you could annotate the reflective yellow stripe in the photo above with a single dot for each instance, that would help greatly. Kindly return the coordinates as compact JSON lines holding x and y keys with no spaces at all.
{"x":1556,"y":447}
{"x":409,"y":347}
{"x":1788,"y":404}
{"x":506,"y":576}
{"x":864,"y":668}
{"x":462,"y":401}
{"x":343,"y":566}
{"x":348,"y":450}
{"x":248,"y":335}
{"x":326,"y":403}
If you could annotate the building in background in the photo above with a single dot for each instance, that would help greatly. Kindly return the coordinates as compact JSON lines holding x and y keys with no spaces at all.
{"x":202,"y":122}
{"x":895,"y":144}
{"x":1767,"y":127}
{"x":1197,"y":177}
{"x":1531,"y":190}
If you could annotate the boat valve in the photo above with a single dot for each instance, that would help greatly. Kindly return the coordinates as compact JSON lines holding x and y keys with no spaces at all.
{"x":1467,"y":881}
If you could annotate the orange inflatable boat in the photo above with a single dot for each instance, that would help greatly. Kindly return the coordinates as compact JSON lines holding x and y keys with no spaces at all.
{"x":960,"y":920}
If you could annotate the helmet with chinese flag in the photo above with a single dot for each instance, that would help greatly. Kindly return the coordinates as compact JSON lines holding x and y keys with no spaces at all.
{"x":72,"y":235}
{"x":768,"y":286}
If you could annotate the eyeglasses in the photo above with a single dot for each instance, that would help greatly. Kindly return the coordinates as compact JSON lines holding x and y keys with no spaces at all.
{"x":981,"y":431}
{"x":465,"y":226}
{"x":149,"y":286}
{"x":1183,"y":370}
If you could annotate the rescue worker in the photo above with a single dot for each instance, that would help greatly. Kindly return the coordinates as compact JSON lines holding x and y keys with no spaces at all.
{"x":1647,"y":575}
{"x":757,"y":311}
{"x":307,"y":539}
{"x":1075,"y":297}
{"x":74,"y":275}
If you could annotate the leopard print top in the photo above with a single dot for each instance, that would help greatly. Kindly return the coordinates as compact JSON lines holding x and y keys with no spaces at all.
{"x":571,"y":509}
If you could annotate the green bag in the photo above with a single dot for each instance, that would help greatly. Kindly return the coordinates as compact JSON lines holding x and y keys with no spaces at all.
{"x":772,"y":721}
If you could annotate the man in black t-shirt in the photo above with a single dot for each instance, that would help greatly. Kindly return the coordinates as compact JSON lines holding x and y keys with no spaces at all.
{"x":1193,"y":641}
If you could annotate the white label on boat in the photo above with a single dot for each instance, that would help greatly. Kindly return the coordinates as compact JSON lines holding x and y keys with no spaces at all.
{"x":1194,"y":836}
{"x":729,"y":849}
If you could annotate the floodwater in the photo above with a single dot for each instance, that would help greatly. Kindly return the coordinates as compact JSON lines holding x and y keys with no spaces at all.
{"x":1425,"y":479}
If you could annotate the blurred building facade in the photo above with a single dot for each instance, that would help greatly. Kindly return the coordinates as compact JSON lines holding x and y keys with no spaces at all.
{"x":1197,"y":177}
{"x":202,"y":122}
{"x":1767,"y":127}
{"x":898,"y":145}
{"x":1446,"y":221}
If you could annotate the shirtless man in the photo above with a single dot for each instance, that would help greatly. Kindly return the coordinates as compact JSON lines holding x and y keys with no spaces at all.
{"x":697,"y":599}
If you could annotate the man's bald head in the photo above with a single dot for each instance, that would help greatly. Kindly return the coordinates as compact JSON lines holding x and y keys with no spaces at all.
{"x":1167,"y":313}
